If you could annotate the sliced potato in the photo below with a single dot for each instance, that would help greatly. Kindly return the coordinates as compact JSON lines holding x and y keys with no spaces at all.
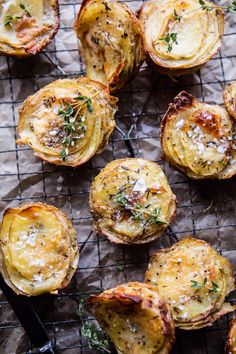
{"x":195,"y":280}
{"x":111,"y":41}
{"x":136,"y":318}
{"x":39,"y":252}
{"x":67,"y":121}
{"x":231,"y":338}
{"x":199,"y":138}
{"x":180,"y":36}
{"x":27,"y":26}
{"x":131,"y":201}
{"x":230,"y":99}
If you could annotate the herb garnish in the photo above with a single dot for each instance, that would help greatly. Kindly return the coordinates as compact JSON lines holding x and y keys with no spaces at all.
{"x":11,"y":18}
{"x":23,"y":7}
{"x":139,"y":212}
{"x":71,"y":124}
{"x":205,"y":7}
{"x":198,"y":286}
{"x":170,"y":39}
{"x":229,"y":8}
{"x":215,"y":288}
{"x":176,"y":16}
{"x":91,"y":333}
{"x":120,"y":267}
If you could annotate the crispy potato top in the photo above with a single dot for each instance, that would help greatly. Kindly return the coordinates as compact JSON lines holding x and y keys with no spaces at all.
{"x":111,"y":41}
{"x":27,"y":26}
{"x":199,"y":138}
{"x":136,"y":319}
{"x":194,"y":279}
{"x":181,"y":34}
{"x":131,"y":201}
{"x":39,"y":252}
{"x":67,"y":121}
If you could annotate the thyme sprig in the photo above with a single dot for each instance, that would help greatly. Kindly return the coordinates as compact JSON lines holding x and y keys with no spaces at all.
{"x":198,"y":286}
{"x":139,"y":212}
{"x":170,"y":39}
{"x":70,"y":112}
{"x":91,"y":333}
{"x":12,"y":18}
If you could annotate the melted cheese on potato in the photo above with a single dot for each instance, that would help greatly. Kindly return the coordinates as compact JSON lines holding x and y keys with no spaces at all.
{"x":194,"y":279}
{"x":198,"y":138}
{"x":136,"y":319}
{"x":144,"y":188}
{"x":111,"y":41}
{"x":39,"y":250}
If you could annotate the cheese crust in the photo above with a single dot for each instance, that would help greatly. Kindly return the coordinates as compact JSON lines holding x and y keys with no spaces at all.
{"x":194,"y":279}
{"x":74,"y":117}
{"x":131,"y":201}
{"x":230,"y":99}
{"x":111,"y":42}
{"x":231,"y":338}
{"x":27,"y":26}
{"x":199,"y":138}
{"x":180,"y":36}
{"x":39,"y":251}
{"x":136,"y":318}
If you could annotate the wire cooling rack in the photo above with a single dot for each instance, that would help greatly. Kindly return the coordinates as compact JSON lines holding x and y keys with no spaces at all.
{"x":206,"y":209}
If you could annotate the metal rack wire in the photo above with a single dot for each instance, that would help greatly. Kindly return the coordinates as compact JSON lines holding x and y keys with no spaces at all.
{"x":206,"y":209}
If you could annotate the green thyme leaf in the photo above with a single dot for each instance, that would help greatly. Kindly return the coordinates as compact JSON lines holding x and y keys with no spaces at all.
{"x":232,"y":7}
{"x":64,"y":154}
{"x":23,"y":7}
{"x":138,"y":212}
{"x":91,"y":333}
{"x":205,"y":7}
{"x":215,"y":288}
{"x":176,"y":16}
{"x":170,"y":39}
{"x":198,"y":286}
{"x":120,"y":267}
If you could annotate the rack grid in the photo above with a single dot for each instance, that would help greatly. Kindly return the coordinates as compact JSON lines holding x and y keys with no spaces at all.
{"x":206,"y":209}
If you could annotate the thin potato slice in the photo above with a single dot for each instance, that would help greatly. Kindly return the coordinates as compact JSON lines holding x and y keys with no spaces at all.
{"x":131,"y":201}
{"x":180,"y":36}
{"x":27,"y":26}
{"x":231,"y":338}
{"x":136,"y":318}
{"x":39,"y":252}
{"x":67,"y":121}
{"x":195,"y":280}
{"x":199,"y":138}
{"x":111,"y":41}
{"x":230,"y":99}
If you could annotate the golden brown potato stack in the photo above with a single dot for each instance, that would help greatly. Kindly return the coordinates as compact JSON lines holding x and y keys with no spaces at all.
{"x":195,"y":280}
{"x":111,"y":42}
{"x":67,"y":121}
{"x":39,"y":251}
{"x":135,"y":318}
{"x":131,"y":201}
{"x":180,"y":36}
{"x":27,"y":26}
{"x":199,"y":138}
